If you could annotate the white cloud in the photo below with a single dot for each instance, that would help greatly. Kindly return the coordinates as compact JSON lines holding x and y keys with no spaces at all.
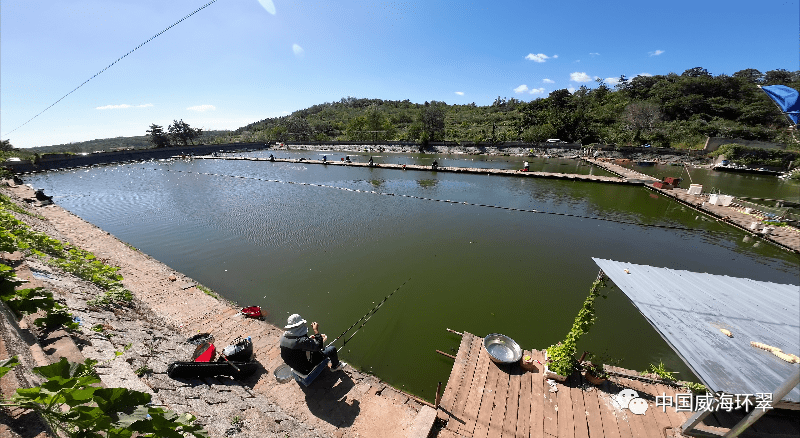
{"x":611,"y":81}
{"x":460,"y":93}
{"x":594,"y":54}
{"x":524,"y":89}
{"x":644,"y":74}
{"x":539,"y":57}
{"x":268,"y":5}
{"x":298,"y":51}
{"x":579,"y":77}
{"x":202,"y":108}
{"x":555,"y":56}
{"x":124,"y":106}
{"x":572,"y":90}
{"x":656,"y":53}
{"x":548,"y":81}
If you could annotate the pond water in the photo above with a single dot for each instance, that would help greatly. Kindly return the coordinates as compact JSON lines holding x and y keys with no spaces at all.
{"x":728,"y":183}
{"x":330,"y":242}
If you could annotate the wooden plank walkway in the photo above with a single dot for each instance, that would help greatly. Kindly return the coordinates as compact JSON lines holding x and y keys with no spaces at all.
{"x":484,"y":399}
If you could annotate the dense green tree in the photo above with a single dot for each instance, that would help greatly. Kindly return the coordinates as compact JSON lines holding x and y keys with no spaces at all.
{"x":696,"y":72}
{"x":432,"y":119}
{"x":298,"y":127}
{"x":779,"y":76}
{"x":181,"y":132}
{"x":5,"y":145}
{"x":157,"y":136}
{"x":750,"y":75}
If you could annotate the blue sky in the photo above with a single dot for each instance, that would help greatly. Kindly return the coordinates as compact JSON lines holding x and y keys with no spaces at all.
{"x":240,"y":61}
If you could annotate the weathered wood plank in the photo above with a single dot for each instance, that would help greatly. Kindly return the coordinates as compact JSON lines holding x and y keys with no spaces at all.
{"x":454,"y":381}
{"x":566,"y":421}
{"x":550,"y":411}
{"x":476,"y":392}
{"x":512,"y":402}
{"x":487,"y":402}
{"x":579,"y":414}
{"x":659,"y":414}
{"x":538,"y":400}
{"x":500,"y":404}
{"x":597,"y":427}
{"x":524,"y":409}
{"x":471,"y":361}
{"x":619,"y":416}
{"x":676,"y":418}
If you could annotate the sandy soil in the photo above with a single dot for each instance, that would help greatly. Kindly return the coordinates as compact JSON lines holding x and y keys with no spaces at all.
{"x":168,"y":307}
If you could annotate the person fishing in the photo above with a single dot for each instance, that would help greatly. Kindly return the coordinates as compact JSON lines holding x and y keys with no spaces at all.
{"x":302,"y":352}
{"x":435,"y":165}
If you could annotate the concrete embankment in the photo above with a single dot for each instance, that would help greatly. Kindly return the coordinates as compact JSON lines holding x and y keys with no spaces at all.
{"x":169,"y":307}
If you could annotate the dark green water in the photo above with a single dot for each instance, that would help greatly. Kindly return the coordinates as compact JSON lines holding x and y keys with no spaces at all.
{"x":331,"y":254}
{"x":729,"y":183}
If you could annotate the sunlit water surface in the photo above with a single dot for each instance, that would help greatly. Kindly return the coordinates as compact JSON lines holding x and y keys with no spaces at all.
{"x":290,"y":238}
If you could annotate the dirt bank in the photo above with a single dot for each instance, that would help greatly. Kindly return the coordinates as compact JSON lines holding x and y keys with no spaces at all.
{"x":168,"y":307}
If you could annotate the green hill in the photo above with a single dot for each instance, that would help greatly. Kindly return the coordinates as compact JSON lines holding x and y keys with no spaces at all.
{"x":673,"y":110}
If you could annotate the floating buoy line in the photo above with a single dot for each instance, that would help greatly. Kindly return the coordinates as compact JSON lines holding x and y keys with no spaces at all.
{"x":373,"y":192}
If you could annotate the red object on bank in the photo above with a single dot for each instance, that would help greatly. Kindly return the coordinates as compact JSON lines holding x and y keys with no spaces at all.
{"x":252,"y":312}
{"x":208,"y":354}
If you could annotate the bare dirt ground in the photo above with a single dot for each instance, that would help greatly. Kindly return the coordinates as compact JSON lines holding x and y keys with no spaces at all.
{"x":169,"y":307}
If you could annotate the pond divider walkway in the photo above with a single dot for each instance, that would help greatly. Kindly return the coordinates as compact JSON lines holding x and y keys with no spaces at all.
{"x":485,"y":399}
{"x":472,"y":170}
{"x":787,"y":238}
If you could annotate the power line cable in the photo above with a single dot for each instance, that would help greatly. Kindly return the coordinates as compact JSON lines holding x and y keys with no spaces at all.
{"x":109,"y":66}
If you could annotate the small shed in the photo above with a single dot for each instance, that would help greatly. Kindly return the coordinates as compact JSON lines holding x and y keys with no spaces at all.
{"x":693,"y":311}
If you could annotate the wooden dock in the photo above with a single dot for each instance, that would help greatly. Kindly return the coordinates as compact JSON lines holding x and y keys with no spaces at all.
{"x":483,"y":399}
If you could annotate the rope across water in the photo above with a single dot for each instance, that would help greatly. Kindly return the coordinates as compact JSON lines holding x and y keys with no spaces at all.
{"x":373,"y":192}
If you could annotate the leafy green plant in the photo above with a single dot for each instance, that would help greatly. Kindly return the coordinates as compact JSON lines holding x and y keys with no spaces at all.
{"x":74,"y":406}
{"x":561,"y":357}
{"x":142,"y":370}
{"x":697,"y":388}
{"x":660,"y":371}
{"x":15,"y":235}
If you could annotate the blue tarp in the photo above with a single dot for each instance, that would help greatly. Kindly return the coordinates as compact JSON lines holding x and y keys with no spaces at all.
{"x":786,"y":98}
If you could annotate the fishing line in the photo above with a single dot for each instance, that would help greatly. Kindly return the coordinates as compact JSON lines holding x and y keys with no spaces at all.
{"x":110,"y":65}
{"x":577,"y":216}
{"x":368,"y":315}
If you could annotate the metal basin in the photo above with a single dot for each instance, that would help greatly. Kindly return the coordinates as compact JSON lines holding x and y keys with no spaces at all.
{"x":502,"y":349}
{"x":283,"y":373}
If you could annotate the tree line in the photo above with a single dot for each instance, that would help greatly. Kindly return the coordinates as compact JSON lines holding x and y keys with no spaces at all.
{"x":178,"y":133}
{"x":673,"y":110}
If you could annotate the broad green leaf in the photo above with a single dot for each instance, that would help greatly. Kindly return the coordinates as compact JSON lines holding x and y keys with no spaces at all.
{"x":113,"y":400}
{"x":6,"y":365}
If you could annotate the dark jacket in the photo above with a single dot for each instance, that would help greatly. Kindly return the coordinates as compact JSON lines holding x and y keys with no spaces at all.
{"x":301,"y":353}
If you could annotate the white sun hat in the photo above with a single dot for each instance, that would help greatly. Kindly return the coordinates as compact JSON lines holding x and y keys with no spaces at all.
{"x":294,"y":321}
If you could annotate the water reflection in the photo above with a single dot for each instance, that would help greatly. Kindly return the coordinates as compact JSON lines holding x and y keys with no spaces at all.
{"x":504,"y":255}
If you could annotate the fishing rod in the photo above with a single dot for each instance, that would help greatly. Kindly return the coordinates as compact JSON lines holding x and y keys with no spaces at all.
{"x":365,"y":318}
